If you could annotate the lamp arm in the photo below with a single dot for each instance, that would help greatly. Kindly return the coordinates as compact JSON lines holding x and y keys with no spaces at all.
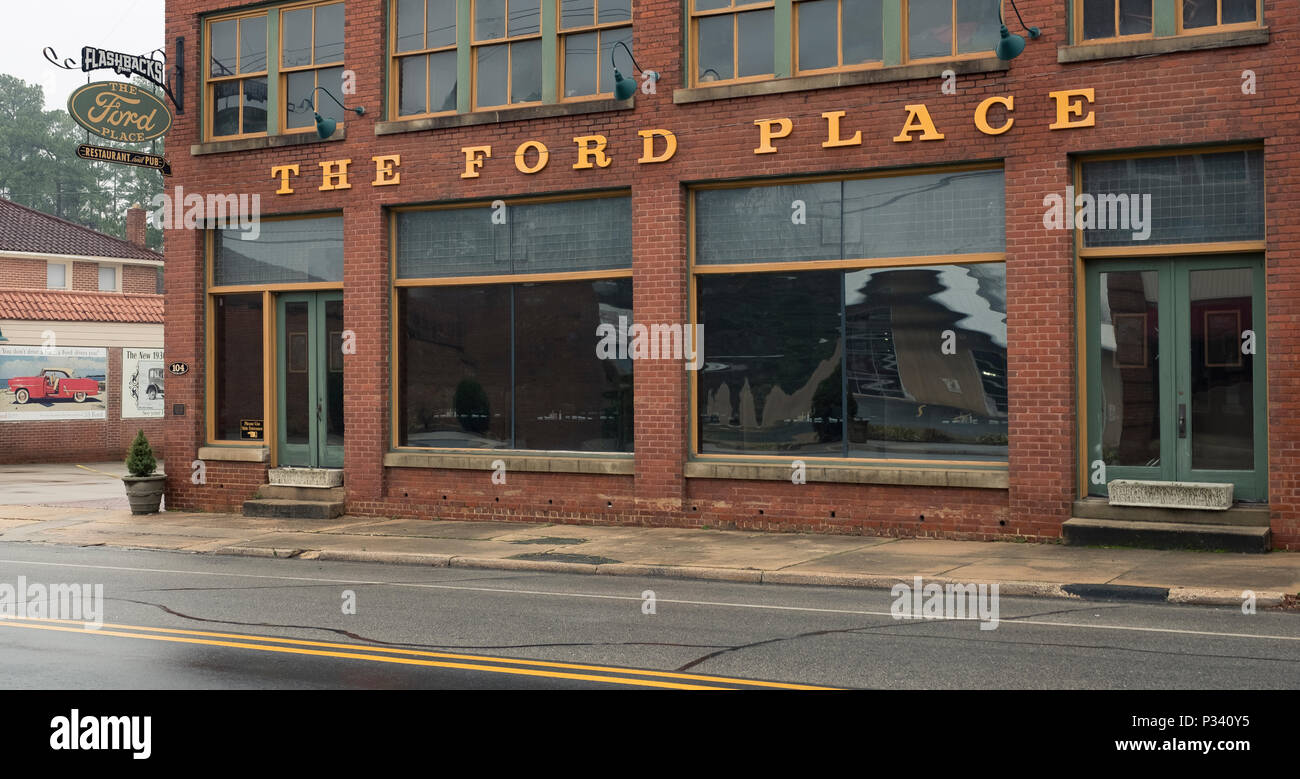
{"x":1033,"y":31}
{"x":359,"y":109}
{"x":635,"y":64}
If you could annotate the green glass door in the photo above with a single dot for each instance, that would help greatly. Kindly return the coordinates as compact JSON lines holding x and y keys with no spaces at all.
{"x":310,"y":379}
{"x":1175,"y":367}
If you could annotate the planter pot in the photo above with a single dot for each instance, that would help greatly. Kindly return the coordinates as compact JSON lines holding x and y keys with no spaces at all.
{"x":144,"y":493}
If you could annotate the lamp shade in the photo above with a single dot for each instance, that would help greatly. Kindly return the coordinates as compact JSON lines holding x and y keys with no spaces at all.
{"x":325,"y":126}
{"x":623,"y":87}
{"x":1010,"y":46}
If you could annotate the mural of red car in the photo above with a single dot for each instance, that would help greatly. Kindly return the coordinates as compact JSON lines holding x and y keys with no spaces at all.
{"x":52,"y":384}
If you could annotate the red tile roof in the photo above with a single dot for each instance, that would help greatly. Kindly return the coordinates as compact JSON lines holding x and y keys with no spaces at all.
{"x":53,"y":305}
{"x":25,"y":230}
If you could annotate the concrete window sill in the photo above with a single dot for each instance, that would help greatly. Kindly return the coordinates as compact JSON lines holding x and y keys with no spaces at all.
{"x":235,"y":454}
{"x":831,"y":80}
{"x":502,"y":115}
{"x":267,"y":142}
{"x":621,"y":465}
{"x":1216,"y":40}
{"x":851,"y":474}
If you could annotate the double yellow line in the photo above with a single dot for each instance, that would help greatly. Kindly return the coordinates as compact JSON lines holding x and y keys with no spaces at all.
{"x":503,"y":665}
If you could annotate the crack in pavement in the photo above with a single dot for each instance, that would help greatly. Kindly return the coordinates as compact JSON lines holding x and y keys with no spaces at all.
{"x":875,"y":630}
{"x":814,"y":633}
{"x":411,"y":645}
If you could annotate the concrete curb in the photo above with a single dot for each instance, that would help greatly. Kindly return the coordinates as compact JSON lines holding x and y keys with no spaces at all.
{"x":1194,"y":596}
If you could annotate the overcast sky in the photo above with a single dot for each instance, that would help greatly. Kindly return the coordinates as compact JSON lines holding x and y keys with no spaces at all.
{"x":28,"y":26}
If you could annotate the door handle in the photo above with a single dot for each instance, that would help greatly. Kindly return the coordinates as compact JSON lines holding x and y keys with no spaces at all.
{"x":318,"y":410}
{"x":1182,"y":420}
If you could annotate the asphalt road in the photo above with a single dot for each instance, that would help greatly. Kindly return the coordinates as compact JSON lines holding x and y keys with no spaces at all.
{"x":200,"y":622}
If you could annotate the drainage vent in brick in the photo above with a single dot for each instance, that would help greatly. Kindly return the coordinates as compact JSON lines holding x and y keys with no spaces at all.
{"x":555,"y":557}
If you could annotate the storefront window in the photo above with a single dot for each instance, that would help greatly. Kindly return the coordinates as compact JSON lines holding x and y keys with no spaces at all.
{"x":1185,"y":198}
{"x":237,"y":368}
{"x":514,"y":364}
{"x":904,"y":361}
{"x":286,"y":251}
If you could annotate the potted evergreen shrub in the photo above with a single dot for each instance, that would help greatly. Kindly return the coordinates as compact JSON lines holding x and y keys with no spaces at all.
{"x":144,"y":487}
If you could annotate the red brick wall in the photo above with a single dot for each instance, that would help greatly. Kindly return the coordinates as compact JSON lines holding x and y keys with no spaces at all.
{"x":81,"y":440}
{"x":140,"y":279}
{"x":1176,"y":99}
{"x":85,"y":276}
{"x":18,"y":273}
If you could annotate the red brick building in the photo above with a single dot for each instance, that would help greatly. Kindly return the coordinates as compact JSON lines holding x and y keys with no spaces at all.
{"x":942,"y":293}
{"x":77,"y":303}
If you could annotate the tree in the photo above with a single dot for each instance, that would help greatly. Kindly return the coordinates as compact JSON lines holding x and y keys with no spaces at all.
{"x":40,"y":169}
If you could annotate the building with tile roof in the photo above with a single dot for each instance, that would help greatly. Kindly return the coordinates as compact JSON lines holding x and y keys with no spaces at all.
{"x":77,"y":300}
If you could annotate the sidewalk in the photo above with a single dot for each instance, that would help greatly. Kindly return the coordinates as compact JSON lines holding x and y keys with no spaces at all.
{"x":1049,"y":570}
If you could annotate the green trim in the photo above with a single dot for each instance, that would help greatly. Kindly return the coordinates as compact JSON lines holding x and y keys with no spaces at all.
{"x":273,"y":72}
{"x":892,"y":28}
{"x":315,"y":453}
{"x":550,"y":54}
{"x":1164,"y":18}
{"x":783,"y":39}
{"x":464,"y":85}
{"x":1175,"y":373}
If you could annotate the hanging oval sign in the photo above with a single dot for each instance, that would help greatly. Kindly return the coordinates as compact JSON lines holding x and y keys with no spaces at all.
{"x":120,"y":111}
{"x":179,"y":368}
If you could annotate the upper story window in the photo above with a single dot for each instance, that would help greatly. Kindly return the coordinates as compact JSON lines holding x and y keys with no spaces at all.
{"x":108,"y":276}
{"x":311,"y":55}
{"x":1197,"y":15}
{"x":262,"y":69}
{"x":589,"y":31}
{"x":838,"y":34}
{"x":1110,"y":20}
{"x":507,"y":52}
{"x":56,"y":275}
{"x":236,"y":76}
{"x":425,"y":57}
{"x":734,"y":40}
{"x":949,"y":29}
{"x":447,"y":56}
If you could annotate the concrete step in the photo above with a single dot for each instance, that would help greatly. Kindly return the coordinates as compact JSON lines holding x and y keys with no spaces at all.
{"x":1080,"y":531}
{"x":327,"y":494}
{"x":293,"y":509}
{"x":1242,"y":514}
{"x":306,"y":477}
{"x":1207,"y":496}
